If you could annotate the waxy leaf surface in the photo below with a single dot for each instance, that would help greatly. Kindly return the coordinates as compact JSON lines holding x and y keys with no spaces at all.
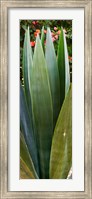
{"x":27,"y":130}
{"x":27,"y":66}
{"x":63,"y":66}
{"x":42,"y":37}
{"x":26,"y":163}
{"x":42,"y":108}
{"x":61,"y":150}
{"x":53,"y":75}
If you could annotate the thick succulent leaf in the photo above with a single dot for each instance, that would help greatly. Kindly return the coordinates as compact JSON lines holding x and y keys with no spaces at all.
{"x":63,"y":66}
{"x":26,"y":163}
{"x":25,"y":172}
{"x":27,"y":130}
{"x":67,"y":70}
{"x":27,"y":66}
{"x":42,"y":108}
{"x":61,"y":150}
{"x":53,"y":75}
{"x":42,"y":37}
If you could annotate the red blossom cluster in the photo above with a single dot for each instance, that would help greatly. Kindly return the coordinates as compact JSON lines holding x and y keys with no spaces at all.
{"x":55,"y":34}
{"x":55,"y":28}
{"x":32,"y":43}
{"x":34,"y":22}
{"x":36,"y":32}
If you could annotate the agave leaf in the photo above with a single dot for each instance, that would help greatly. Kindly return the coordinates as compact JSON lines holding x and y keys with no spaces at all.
{"x":27,"y":66}
{"x":27,"y":130}
{"x":63,"y":66}
{"x":67,"y":70}
{"x":42,"y":37}
{"x":61,"y":150}
{"x":42,"y":108}
{"x":53,"y":75}
{"x":26,"y":163}
{"x":25,"y":173}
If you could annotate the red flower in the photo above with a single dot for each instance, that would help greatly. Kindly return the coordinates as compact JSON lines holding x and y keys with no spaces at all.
{"x":52,"y":33}
{"x":32,"y":43}
{"x":56,"y":37}
{"x":45,"y":31}
{"x":36,"y":32}
{"x":59,"y":31}
{"x":55,"y":28}
{"x":34,"y":22}
{"x":53,"y":39}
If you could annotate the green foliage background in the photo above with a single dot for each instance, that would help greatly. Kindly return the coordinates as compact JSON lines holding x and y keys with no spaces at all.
{"x":38,"y":24}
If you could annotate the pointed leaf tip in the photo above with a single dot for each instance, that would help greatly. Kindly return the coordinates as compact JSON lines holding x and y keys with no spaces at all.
{"x":51,"y":63}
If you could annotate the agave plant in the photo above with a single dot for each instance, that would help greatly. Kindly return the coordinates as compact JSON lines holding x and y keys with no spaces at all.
{"x":45,"y":110}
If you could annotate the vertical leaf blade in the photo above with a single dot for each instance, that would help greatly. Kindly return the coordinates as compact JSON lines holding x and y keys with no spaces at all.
{"x":42,"y":37}
{"x":26,"y":163}
{"x":27,"y":130}
{"x":67,"y":72}
{"x":53,"y":75}
{"x":61,"y":150}
{"x":42,"y":108}
{"x":63,"y":66}
{"x":27,"y":66}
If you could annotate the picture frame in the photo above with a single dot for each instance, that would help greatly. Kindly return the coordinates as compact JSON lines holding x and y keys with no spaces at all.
{"x":5,"y":5}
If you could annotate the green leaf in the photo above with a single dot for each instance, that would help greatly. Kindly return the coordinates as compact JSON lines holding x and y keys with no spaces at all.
{"x":61,"y":150}
{"x":25,"y":173}
{"x":26,"y":163}
{"x":42,"y":108}
{"x":53,"y":75}
{"x":42,"y":37}
{"x":67,"y":70}
{"x":63,"y":66}
{"x":27,"y":129}
{"x":27,"y":66}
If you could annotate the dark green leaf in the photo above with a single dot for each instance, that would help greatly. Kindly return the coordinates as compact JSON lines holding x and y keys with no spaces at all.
{"x":26,"y":163}
{"x":27,"y":129}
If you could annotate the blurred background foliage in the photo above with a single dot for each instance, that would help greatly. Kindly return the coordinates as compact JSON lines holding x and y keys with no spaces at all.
{"x":35,"y":26}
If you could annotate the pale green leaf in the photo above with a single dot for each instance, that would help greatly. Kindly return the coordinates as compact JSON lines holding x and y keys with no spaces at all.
{"x":27,"y":66}
{"x":67,"y":70}
{"x":42,"y":108}
{"x":53,"y":75}
{"x":42,"y":37}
